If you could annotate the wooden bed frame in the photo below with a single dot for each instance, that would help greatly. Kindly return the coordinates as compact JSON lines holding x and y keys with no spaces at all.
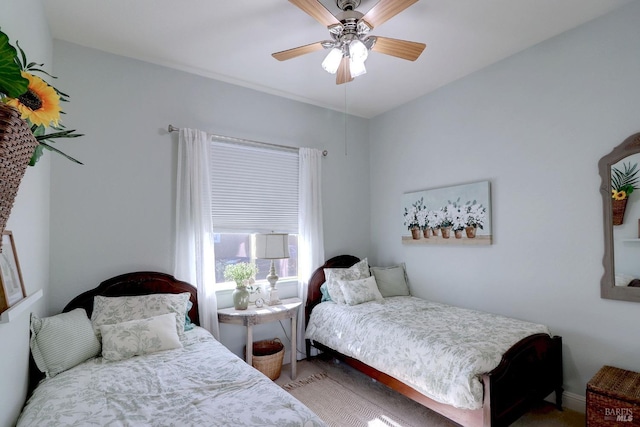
{"x":529,"y":371}
{"x":129,"y":284}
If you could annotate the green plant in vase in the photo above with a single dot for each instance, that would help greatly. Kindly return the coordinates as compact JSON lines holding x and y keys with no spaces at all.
{"x":243,"y":274}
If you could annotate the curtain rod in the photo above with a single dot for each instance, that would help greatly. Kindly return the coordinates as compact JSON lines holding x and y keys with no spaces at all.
{"x":172,"y":128}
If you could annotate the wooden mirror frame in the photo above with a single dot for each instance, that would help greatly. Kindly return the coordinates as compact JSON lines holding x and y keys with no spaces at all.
{"x":608,"y":288}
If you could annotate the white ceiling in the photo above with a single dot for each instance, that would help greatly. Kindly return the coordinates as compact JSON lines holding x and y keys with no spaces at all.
{"x":233,"y":40}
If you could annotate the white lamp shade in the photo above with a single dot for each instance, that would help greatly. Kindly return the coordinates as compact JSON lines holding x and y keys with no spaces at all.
{"x":357,"y":68}
{"x":272,"y":246}
{"x":358,"y":51}
{"x":332,"y":61}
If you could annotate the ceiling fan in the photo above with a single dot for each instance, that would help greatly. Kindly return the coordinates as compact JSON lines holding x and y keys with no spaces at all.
{"x":350,"y":40}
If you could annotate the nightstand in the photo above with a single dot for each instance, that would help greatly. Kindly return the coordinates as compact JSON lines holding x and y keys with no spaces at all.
{"x":287,"y":309}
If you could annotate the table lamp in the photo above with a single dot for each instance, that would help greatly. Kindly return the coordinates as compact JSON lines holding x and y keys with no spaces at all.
{"x":272,"y":246}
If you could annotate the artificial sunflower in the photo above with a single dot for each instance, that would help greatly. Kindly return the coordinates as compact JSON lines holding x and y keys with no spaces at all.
{"x":620,"y":195}
{"x":40,"y":104}
{"x":37,"y":101}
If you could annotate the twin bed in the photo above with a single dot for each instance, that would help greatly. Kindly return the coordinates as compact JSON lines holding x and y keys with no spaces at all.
{"x":200,"y":383}
{"x":475,"y":368}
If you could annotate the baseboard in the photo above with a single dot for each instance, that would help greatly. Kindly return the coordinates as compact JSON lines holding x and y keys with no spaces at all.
{"x":572,"y":401}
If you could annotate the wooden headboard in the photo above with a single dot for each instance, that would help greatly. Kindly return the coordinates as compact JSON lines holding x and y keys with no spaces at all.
{"x":138,"y":283}
{"x":314,"y":296}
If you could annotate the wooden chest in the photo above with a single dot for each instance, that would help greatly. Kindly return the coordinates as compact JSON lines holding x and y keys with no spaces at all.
{"x":613,"y":398}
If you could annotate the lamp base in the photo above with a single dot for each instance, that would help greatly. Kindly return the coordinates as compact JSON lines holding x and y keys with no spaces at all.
{"x":273,"y":297}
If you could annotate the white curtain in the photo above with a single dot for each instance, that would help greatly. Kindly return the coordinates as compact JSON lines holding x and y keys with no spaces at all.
{"x":310,"y":231}
{"x":194,"y":257}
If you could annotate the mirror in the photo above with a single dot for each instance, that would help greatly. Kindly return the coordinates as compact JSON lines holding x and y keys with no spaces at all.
{"x":621,"y":206}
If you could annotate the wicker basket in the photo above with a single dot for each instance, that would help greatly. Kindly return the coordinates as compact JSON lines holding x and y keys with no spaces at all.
{"x":16,"y":148}
{"x":268,"y":356}
{"x":613,"y":398}
{"x":618,"y":206}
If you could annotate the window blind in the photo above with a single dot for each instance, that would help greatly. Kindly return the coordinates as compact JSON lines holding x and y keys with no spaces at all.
{"x":253,"y":189}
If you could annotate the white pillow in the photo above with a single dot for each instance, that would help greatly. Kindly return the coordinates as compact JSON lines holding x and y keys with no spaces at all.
{"x":361,"y":290}
{"x":112,"y":310}
{"x":62,"y":341}
{"x":359,"y":270}
{"x":623,"y":279}
{"x":137,"y":337}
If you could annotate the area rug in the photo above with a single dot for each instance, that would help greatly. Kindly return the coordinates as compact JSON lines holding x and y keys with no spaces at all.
{"x":339,"y":406}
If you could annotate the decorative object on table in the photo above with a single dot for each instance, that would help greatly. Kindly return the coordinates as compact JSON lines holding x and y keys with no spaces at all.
{"x":11,"y":284}
{"x":259,"y":302}
{"x":272,"y":246}
{"x":441,"y":209}
{"x":36,"y":100}
{"x":243,"y":274}
{"x":623,"y":182}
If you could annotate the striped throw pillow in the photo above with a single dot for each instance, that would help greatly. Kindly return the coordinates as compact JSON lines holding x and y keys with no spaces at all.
{"x":62,"y":341}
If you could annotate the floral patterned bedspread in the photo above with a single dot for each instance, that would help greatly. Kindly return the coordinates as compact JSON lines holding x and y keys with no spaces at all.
{"x":202,"y":384}
{"x":437,"y":349}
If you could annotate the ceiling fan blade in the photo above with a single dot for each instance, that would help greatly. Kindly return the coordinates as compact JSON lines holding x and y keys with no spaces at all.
{"x":317,"y":11}
{"x":385,"y":10}
{"x":399,"y":48}
{"x":297,"y":51}
{"x":344,"y":72}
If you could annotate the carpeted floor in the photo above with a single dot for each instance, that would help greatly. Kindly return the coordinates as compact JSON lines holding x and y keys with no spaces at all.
{"x":344,"y":397}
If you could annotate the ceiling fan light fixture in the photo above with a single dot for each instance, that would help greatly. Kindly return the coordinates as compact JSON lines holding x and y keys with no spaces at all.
{"x":332,"y":61}
{"x":358,"y":52}
{"x":357,"y":68}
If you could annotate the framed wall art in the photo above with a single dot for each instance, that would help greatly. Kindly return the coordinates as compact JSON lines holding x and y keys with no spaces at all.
{"x":11,"y":284}
{"x":459,"y":214}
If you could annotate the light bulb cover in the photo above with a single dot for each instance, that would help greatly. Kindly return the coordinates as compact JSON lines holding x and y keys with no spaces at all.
{"x":332,"y":61}
{"x":358,"y":52}
{"x":357,"y":68}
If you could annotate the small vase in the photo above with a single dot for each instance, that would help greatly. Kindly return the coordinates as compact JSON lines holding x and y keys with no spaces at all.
{"x":434,"y":231}
{"x":415,"y":233}
{"x":425,"y":233}
{"x":471,"y":232}
{"x":241,"y":298}
{"x":446,"y":232}
{"x":458,"y":234}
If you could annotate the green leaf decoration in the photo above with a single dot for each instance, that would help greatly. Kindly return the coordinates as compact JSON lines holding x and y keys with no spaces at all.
{"x":625,"y":180}
{"x":12,"y":83}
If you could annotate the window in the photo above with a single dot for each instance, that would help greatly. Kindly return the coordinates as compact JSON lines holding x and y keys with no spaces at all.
{"x":253,"y":190}
{"x":231,"y":248}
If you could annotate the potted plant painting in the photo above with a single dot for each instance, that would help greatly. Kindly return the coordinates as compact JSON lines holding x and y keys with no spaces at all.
{"x":475,"y":217}
{"x":411,"y":220}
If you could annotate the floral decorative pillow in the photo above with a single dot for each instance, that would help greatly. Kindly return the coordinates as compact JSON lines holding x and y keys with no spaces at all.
{"x":360,"y":291}
{"x":137,"y":337}
{"x":111,"y":310}
{"x":357,"y":271}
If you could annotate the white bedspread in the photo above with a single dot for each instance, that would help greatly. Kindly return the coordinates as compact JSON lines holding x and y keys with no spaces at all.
{"x":437,"y":349}
{"x":202,"y":384}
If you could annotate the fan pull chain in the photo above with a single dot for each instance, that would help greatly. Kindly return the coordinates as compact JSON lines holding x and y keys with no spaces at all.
{"x":345,"y":120}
